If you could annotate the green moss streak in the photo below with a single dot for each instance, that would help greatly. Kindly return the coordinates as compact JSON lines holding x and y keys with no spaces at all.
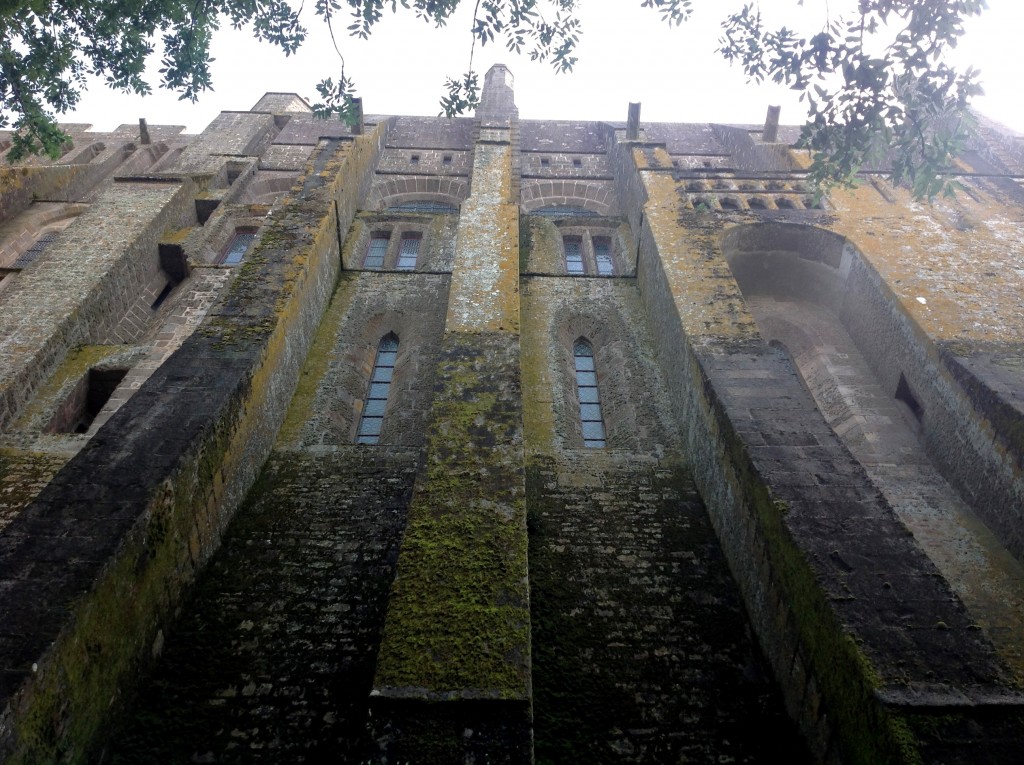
{"x":458,"y":621}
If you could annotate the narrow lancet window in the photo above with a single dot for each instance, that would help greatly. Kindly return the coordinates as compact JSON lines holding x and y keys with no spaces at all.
{"x":590,"y":401}
{"x":377,"y":396}
{"x":573,"y":254}
{"x":409,"y":252}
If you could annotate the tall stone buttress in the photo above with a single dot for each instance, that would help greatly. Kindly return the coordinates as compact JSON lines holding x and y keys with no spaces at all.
{"x":453,"y":671}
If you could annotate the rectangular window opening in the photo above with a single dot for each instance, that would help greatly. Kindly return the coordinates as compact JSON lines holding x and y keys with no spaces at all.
{"x":603,"y":256}
{"x":573,"y":254}
{"x":409,"y":251}
{"x":79,"y":409}
{"x":238,"y":246}
{"x":906,"y":395}
{"x":376,"y":250}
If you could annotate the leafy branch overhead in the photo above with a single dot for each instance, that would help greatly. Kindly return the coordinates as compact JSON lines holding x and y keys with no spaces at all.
{"x":877,"y":86}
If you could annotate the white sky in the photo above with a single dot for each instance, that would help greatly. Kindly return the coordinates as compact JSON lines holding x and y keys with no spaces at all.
{"x":626,"y":54}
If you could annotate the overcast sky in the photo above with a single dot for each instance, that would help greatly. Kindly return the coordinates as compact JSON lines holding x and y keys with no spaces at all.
{"x":626,"y":55}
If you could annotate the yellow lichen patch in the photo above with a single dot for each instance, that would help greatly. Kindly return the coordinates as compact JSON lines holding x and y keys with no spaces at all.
{"x":484,"y":294}
{"x":954,"y":265}
{"x":661,"y":157}
{"x":318,"y":360}
{"x":22,"y":476}
{"x":538,"y":415}
{"x":77,"y":363}
{"x":640,"y":159}
{"x":706,"y":294}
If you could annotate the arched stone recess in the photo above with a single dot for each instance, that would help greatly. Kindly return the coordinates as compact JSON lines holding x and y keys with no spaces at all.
{"x":544,"y":242}
{"x":596,"y":196}
{"x":366,"y":308}
{"x":607,"y":314}
{"x":887,"y":391}
{"x":265,"y":188}
{"x":435,"y":249}
{"x":391,"y":191}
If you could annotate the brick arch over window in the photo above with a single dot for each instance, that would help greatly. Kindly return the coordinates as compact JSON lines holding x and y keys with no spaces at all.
{"x":597,"y":197}
{"x":396,"y":191}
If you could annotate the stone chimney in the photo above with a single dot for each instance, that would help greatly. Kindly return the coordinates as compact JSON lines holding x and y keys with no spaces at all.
{"x":497,"y":101}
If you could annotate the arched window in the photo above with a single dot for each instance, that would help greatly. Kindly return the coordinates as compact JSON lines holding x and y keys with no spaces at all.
{"x":377,"y":395}
{"x":591,"y":421}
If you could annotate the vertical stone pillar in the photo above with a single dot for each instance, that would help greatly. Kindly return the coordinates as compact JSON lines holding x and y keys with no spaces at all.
{"x":453,"y":673}
{"x":771,"y":125}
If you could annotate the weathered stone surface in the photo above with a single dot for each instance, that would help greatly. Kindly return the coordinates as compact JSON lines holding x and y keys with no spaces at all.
{"x":274,"y":658}
{"x":642,"y":651}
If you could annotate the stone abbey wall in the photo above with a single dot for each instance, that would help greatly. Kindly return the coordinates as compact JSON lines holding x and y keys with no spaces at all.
{"x":796,"y":537}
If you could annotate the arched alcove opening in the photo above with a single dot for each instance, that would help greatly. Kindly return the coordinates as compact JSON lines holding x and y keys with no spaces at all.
{"x":873,"y":375}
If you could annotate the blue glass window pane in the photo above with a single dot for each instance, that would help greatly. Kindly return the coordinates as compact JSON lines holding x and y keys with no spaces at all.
{"x":591,"y":421}
{"x":603,"y":255}
{"x":409,"y":252}
{"x":239,"y":245}
{"x":374,"y":407}
{"x":376,"y":251}
{"x":372,"y":421}
{"x":370,"y":426}
{"x":573,"y":255}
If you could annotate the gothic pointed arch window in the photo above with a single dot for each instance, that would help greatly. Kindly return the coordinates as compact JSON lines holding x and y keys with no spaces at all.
{"x":591,"y":419}
{"x":372,"y":420}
